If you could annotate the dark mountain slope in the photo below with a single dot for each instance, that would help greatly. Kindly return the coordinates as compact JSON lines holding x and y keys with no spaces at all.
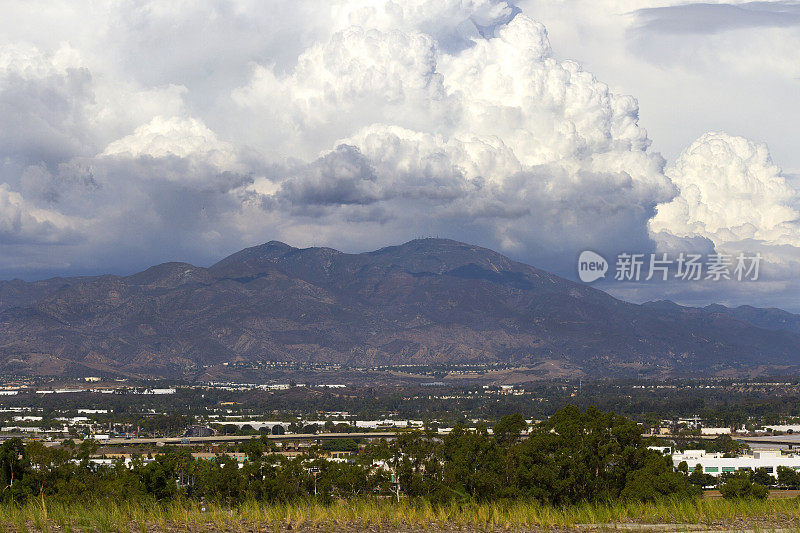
{"x":425,"y":301}
{"x":768,"y":318}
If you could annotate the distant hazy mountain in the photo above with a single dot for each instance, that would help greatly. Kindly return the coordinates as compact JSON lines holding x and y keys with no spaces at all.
{"x":426,"y":301}
{"x":767,"y":318}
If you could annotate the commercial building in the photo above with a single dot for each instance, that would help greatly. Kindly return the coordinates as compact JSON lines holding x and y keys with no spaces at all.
{"x":716,"y":464}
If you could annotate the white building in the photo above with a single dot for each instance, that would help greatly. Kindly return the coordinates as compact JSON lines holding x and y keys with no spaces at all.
{"x":74,"y":420}
{"x":790,"y":428}
{"x":715,"y":464}
{"x":715,"y":431}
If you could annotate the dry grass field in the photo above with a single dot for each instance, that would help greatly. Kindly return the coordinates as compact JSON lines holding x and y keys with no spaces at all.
{"x":372,"y":515}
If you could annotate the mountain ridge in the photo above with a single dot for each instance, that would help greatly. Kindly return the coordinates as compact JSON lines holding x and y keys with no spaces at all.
{"x":771,"y":318}
{"x":426,"y":301}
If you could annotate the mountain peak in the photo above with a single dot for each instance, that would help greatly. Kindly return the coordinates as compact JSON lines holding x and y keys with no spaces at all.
{"x":276,"y":244}
{"x":426,"y":301}
{"x":267,"y":251}
{"x":428,"y":243}
{"x":437,"y":255}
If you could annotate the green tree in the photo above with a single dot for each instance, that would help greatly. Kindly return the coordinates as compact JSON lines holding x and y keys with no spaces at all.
{"x":762,"y":477}
{"x":159,"y":478}
{"x":726,"y":445}
{"x":340,"y":445}
{"x":591,"y":456}
{"x":472,"y":464}
{"x":700,"y":479}
{"x":787,"y":477}
{"x":656,"y":480}
{"x":13,"y":468}
{"x":508,"y":430}
{"x":255,"y":448}
{"x":739,"y":486}
{"x":47,"y":466}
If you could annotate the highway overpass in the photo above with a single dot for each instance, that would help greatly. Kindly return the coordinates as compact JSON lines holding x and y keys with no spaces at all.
{"x":291,"y":437}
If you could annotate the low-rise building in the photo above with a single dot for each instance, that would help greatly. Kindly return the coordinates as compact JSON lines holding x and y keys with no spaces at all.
{"x":785,"y":428}
{"x":717,"y":464}
{"x":715,"y":431}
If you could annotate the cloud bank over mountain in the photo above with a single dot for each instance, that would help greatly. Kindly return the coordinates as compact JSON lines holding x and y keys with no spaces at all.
{"x":730,"y":191}
{"x":172,"y":132}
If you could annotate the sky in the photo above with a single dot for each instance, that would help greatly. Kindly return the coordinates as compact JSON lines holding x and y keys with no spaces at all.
{"x":134,"y":133}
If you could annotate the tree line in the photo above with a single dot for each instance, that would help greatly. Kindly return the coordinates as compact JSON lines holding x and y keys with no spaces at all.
{"x":574,"y":456}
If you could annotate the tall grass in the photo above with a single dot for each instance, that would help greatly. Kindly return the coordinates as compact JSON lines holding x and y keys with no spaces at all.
{"x":383,"y":514}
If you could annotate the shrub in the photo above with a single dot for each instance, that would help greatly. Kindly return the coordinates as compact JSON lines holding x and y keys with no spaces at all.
{"x":739,"y":486}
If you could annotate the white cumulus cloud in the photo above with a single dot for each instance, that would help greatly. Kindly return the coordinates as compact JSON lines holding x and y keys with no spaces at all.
{"x":730,"y":190}
{"x":181,"y":137}
{"x":498,"y":131}
{"x":141,"y":132}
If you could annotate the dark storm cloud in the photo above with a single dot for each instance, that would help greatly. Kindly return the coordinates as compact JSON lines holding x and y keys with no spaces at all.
{"x":43,"y":119}
{"x":343,"y":176}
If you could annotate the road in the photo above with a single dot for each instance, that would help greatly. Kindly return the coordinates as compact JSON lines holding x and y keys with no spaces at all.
{"x":777,"y":441}
{"x":767,"y":441}
{"x":318,"y":437}
{"x":773,"y":441}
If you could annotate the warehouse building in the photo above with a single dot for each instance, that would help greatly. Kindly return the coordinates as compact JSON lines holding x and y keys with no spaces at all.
{"x":716,"y":463}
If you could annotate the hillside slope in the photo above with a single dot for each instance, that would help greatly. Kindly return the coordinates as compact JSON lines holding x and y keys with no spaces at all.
{"x":426,"y":301}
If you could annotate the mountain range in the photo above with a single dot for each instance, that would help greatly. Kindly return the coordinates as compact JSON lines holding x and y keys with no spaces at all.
{"x":425,"y":301}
